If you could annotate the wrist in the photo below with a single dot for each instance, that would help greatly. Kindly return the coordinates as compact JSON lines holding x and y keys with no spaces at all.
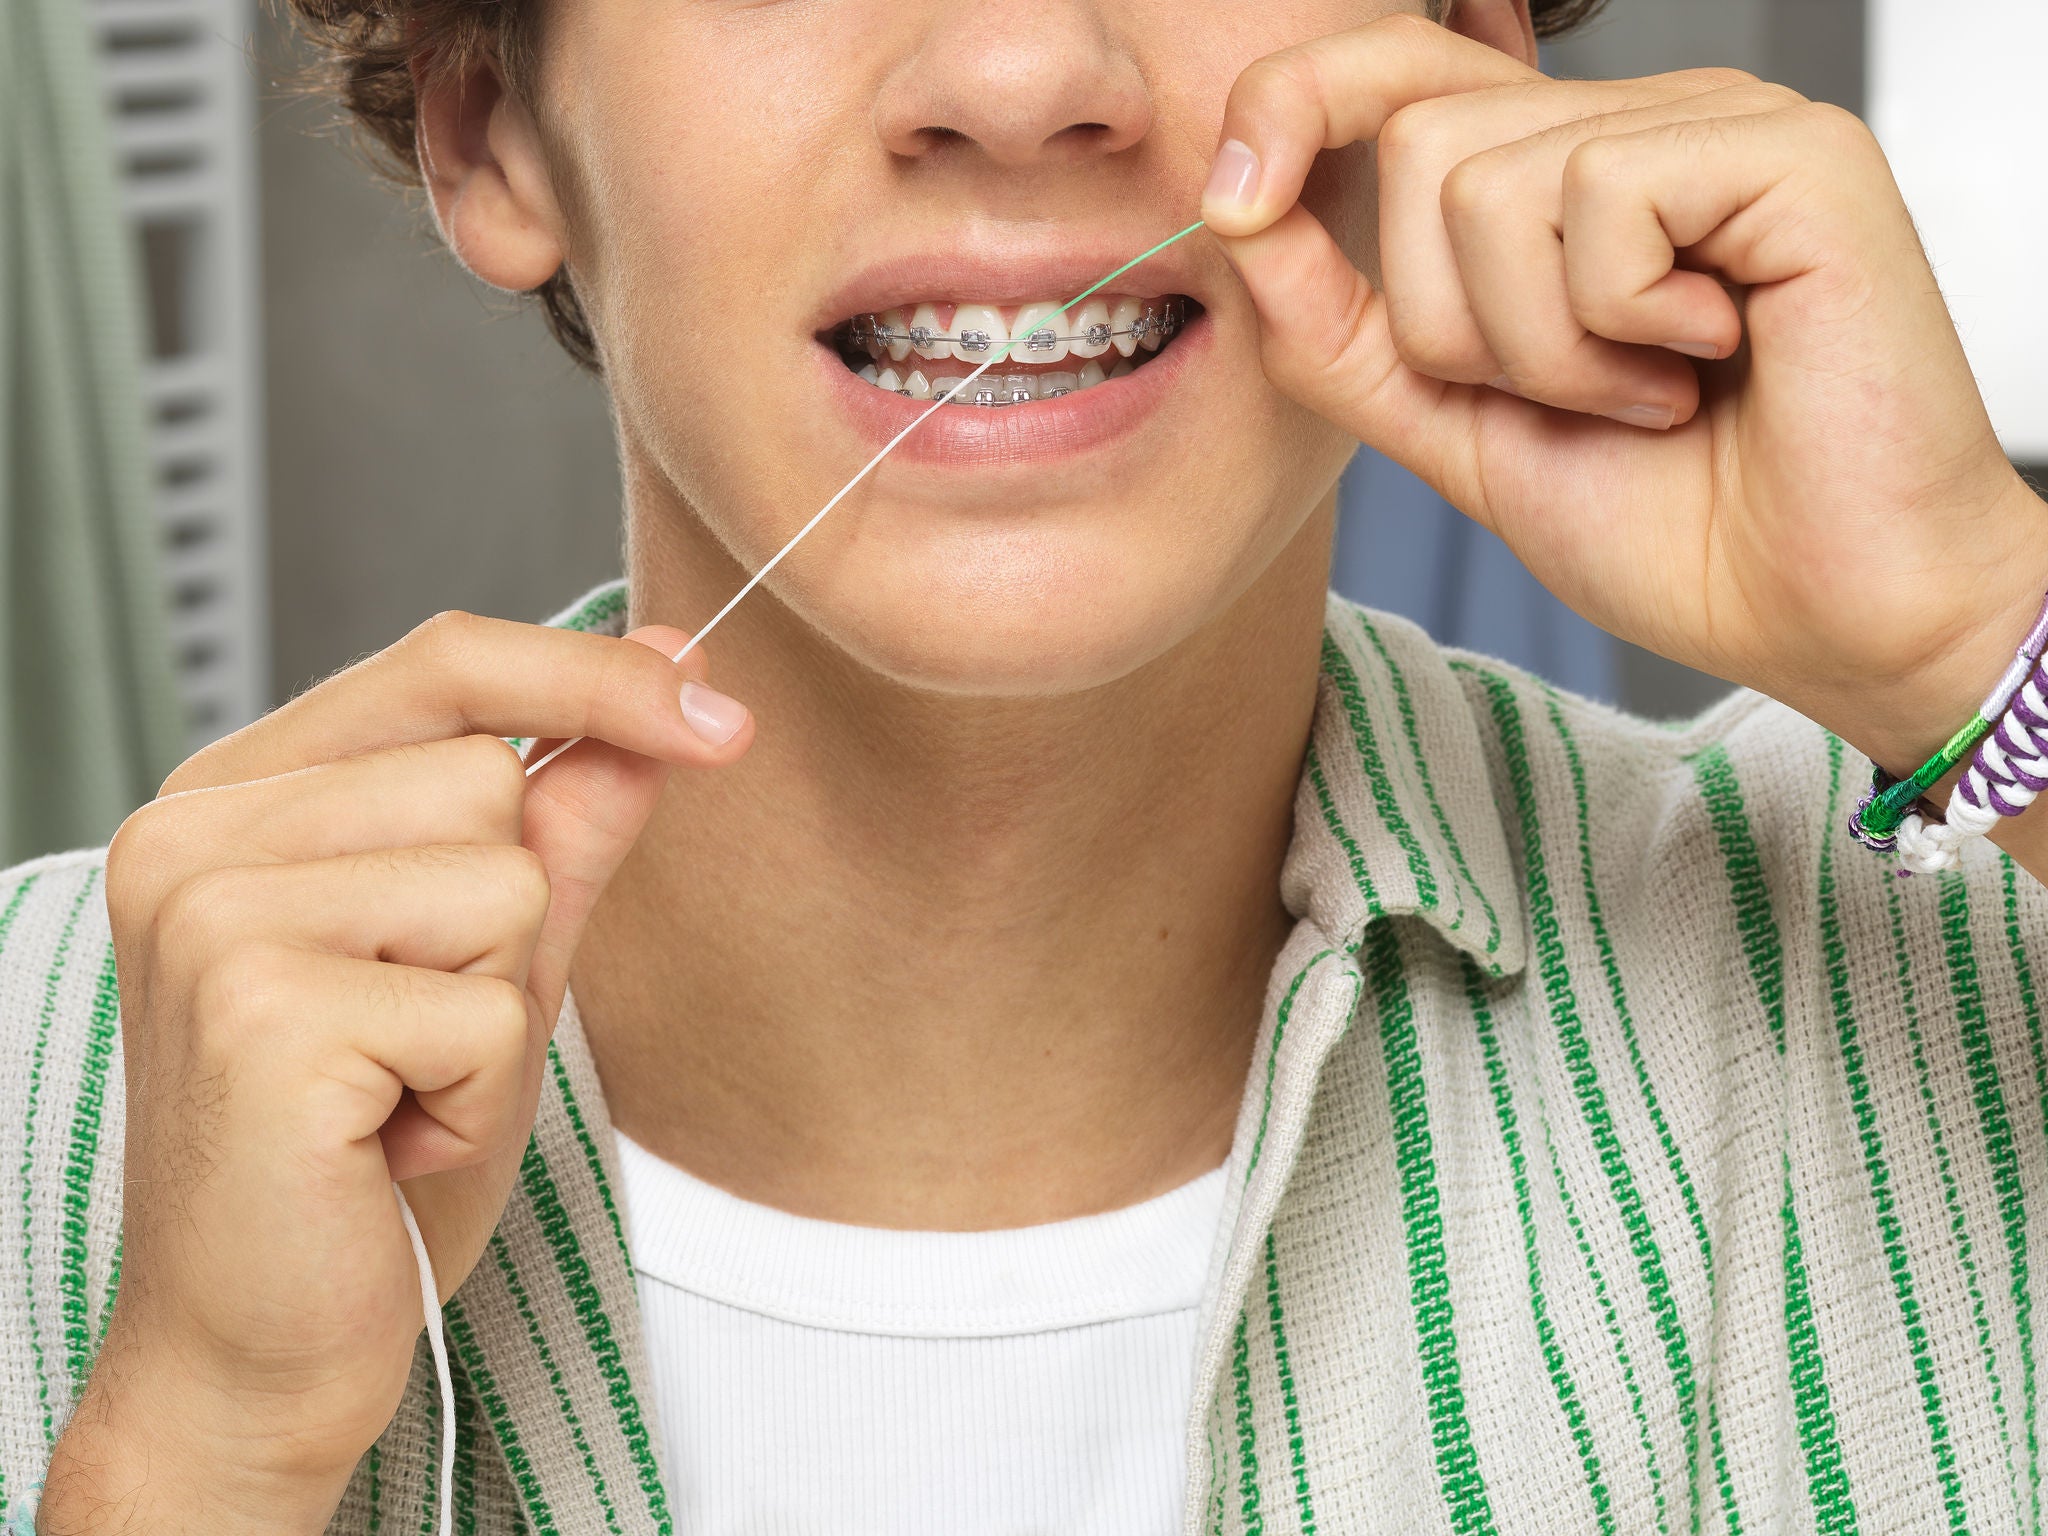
{"x":153,"y":1448}
{"x":1900,"y":721}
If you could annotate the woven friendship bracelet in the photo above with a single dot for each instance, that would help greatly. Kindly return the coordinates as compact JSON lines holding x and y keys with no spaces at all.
{"x":2009,"y":735}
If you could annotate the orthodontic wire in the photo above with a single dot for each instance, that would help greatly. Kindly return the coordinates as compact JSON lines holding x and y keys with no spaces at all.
{"x":887,"y":449}
{"x":430,"y":1297}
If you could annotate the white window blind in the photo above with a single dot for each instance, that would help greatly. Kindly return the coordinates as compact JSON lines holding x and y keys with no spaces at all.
{"x":180,"y":93}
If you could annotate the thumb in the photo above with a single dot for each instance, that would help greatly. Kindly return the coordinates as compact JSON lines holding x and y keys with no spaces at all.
{"x":583,"y":815}
{"x":1325,"y":341}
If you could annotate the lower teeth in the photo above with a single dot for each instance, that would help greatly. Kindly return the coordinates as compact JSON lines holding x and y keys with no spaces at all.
{"x":991,"y":390}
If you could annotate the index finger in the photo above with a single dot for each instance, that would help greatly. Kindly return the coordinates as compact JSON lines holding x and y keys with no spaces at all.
{"x":1330,"y":92}
{"x":462,"y":675}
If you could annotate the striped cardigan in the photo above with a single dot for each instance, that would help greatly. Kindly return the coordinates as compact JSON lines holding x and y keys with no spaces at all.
{"x":1624,"y":1150}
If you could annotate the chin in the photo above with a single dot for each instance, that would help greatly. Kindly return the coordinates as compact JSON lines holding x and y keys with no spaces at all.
{"x":1028,"y":618}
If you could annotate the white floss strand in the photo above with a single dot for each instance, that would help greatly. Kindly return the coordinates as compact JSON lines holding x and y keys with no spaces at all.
{"x":437,"y":1342}
{"x":867,"y":468}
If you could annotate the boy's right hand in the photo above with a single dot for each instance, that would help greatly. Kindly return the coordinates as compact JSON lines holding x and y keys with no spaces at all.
{"x":343,"y":936}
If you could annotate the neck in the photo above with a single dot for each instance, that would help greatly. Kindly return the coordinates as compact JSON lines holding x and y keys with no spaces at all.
{"x":944,"y":963}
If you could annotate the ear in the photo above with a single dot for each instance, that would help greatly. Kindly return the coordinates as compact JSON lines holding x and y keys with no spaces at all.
{"x":1501,"y":24}
{"x":482,"y":162}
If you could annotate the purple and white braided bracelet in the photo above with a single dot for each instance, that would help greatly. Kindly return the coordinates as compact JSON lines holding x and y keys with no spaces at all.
{"x":2009,"y":769}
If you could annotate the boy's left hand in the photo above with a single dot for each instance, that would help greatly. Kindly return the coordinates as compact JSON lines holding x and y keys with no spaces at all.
{"x":1820,"y":510}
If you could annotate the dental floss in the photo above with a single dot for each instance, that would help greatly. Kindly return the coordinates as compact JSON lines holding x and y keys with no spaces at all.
{"x":437,"y":1343}
{"x":430,"y":1297}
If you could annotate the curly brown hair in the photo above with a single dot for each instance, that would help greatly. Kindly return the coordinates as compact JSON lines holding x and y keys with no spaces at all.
{"x":367,"y":48}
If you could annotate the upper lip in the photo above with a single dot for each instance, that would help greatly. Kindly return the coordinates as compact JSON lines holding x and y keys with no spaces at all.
{"x":1017,"y":273}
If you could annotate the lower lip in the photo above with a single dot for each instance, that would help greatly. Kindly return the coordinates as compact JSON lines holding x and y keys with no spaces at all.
{"x":985,"y":437}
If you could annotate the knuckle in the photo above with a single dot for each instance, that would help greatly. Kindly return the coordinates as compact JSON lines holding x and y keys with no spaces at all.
{"x":1714,"y":77}
{"x":136,"y":856}
{"x":494,"y":774}
{"x":1409,"y":29}
{"x":1770,"y":96}
{"x":632,"y":673}
{"x":1595,"y":168}
{"x":1438,"y":344}
{"x":442,"y":651}
{"x":447,"y":632}
{"x":195,"y":912}
{"x":1543,"y":379}
{"x":1276,"y":87}
{"x":1475,"y":185}
{"x":502,"y":1017}
{"x":522,"y":876}
{"x":1598,"y":306}
{"x":1836,"y":127}
{"x":242,"y":994}
{"x":1412,"y":132}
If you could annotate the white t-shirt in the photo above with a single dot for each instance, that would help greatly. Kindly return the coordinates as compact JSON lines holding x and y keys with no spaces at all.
{"x":835,"y":1380}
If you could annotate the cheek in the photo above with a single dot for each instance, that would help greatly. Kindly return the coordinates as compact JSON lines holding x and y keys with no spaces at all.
{"x":700,"y":178}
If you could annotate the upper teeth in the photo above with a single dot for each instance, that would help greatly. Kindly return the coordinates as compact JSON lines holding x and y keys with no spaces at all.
{"x":1042,"y":333}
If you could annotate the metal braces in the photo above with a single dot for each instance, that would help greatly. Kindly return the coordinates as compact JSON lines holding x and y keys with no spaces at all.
{"x":1168,"y":322}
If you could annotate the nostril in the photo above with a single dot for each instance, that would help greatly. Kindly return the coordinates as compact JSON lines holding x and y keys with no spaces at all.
{"x":1087,"y":137}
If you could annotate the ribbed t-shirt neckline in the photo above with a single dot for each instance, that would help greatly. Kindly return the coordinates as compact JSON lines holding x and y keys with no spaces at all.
{"x":1144,"y":1260}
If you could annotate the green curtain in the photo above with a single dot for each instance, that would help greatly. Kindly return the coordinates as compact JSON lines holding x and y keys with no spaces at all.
{"x":88,"y":706}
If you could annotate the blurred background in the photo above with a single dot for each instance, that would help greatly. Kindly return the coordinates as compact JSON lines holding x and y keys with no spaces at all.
{"x":256,"y":424}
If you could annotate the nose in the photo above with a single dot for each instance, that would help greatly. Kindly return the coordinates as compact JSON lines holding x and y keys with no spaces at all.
{"x":1041,"y":83}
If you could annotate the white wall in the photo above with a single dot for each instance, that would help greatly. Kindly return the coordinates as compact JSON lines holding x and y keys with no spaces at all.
{"x":1961,"y":103}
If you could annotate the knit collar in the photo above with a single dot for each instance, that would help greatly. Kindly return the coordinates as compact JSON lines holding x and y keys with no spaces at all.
{"x":1396,"y":814}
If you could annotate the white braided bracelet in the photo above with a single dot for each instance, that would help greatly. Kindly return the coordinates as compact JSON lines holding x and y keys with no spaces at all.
{"x":2009,"y":769}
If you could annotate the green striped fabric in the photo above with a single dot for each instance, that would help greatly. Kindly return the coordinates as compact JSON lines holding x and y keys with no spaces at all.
{"x":1624,"y":1150}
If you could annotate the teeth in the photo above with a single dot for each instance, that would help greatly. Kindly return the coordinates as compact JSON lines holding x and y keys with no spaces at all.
{"x":978,"y":330}
{"x":1123,"y":319}
{"x":1047,"y":347}
{"x":925,"y":318}
{"x":896,"y":324}
{"x":980,"y":334}
{"x":1090,"y":320}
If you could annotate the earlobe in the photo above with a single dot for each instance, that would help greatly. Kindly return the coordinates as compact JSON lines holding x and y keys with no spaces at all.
{"x":486,"y":175}
{"x":1500,"y":24}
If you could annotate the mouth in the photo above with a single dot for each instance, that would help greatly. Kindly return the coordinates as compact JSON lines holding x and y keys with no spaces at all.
{"x":923,"y":351}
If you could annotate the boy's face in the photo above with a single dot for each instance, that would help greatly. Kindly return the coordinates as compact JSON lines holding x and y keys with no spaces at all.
{"x":742,"y":182}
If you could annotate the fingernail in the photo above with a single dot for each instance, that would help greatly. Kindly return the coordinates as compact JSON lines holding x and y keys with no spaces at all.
{"x":1657,"y":418}
{"x":1506,"y":386}
{"x":712,"y":716}
{"x":1700,"y":349}
{"x":1234,"y":178}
